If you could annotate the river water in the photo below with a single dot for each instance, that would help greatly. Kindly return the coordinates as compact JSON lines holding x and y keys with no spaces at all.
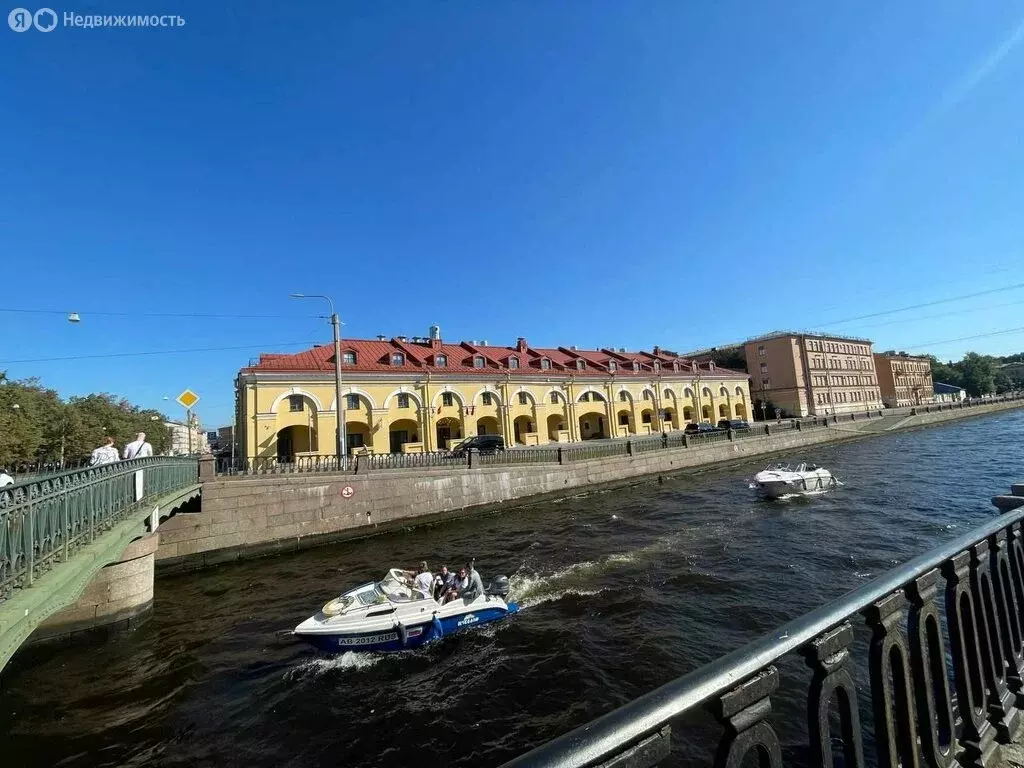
{"x":622,"y":591}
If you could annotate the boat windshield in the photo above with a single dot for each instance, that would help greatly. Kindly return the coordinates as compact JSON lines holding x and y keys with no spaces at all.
{"x":777,"y":467}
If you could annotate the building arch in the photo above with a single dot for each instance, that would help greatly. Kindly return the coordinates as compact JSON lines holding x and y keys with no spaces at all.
{"x":528,"y":393}
{"x":723,"y":392}
{"x":559,"y":393}
{"x":490,"y":391}
{"x":403,"y":391}
{"x":296,"y":391}
{"x":629,"y":395}
{"x":355,"y":391}
{"x":453,"y":392}
{"x":706,"y":392}
{"x":601,"y":397}
{"x":739,"y":392}
{"x":654,"y":395}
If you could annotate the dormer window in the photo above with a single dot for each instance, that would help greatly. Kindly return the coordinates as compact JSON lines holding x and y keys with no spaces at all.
{"x":348,"y":358}
{"x":478,"y":361}
{"x":657,"y":367}
{"x":397,"y":358}
{"x":545,"y":364}
{"x":636,"y":366}
{"x":440,"y":361}
{"x":581,"y":365}
{"x":513,"y":362}
{"x":675,"y":366}
{"x":612,"y":366}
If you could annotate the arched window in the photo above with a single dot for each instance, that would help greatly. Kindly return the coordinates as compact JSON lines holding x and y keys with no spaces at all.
{"x":397,"y":358}
{"x":351,"y":402}
{"x":688,"y":392}
{"x":668,"y":393}
{"x":645,"y":417}
{"x":485,"y":398}
{"x":446,"y":399}
{"x":647,"y":394}
{"x":524,"y":399}
{"x":348,"y":358}
{"x":554,"y":397}
{"x":478,"y":361}
{"x":723,"y":392}
{"x":624,"y":396}
{"x":441,"y":361}
{"x":585,"y":397}
{"x":739,"y":391}
{"x":403,"y":400}
{"x":513,"y":362}
{"x":706,"y":392}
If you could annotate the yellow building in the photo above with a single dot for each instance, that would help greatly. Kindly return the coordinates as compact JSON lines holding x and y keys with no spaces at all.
{"x":424,"y":394}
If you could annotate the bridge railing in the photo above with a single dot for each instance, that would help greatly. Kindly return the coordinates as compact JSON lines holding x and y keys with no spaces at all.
{"x":930,"y":704}
{"x":45,"y":521}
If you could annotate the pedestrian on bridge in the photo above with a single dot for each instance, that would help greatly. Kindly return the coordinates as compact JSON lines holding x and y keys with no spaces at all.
{"x":105,"y":454}
{"x":138,"y":448}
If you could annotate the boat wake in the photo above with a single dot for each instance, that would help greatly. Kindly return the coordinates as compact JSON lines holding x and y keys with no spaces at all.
{"x":349,"y":661}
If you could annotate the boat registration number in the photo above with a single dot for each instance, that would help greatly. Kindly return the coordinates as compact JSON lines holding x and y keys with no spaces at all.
{"x":368,"y":639}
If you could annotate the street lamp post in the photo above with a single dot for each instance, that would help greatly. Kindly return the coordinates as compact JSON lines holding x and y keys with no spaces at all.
{"x":340,"y":429}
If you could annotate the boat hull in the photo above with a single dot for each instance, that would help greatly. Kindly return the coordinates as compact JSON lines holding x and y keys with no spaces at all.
{"x":403,"y":637}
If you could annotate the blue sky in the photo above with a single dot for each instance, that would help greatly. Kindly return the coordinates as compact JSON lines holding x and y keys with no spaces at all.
{"x":599,"y":173}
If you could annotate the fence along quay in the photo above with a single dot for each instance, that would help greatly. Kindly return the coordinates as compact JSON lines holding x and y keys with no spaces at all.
{"x":930,"y":705}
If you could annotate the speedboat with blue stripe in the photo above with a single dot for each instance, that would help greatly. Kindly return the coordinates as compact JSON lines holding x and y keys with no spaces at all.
{"x":391,"y":615}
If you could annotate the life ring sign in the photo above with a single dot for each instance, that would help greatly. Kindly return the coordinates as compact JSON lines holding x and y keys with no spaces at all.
{"x":348,"y":492}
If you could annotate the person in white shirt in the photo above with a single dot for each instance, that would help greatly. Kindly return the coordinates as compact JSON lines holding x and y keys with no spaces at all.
{"x":138,"y":448}
{"x":105,"y":454}
{"x":5,"y":479}
{"x":424,"y":580}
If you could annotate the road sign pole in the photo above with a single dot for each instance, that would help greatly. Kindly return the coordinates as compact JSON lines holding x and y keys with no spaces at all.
{"x":188,"y":426}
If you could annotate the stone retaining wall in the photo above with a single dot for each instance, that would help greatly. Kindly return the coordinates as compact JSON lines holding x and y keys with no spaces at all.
{"x":248,"y":516}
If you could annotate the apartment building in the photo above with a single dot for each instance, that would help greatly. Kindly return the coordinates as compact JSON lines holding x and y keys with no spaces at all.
{"x":904,"y":379}
{"x":805,"y":374}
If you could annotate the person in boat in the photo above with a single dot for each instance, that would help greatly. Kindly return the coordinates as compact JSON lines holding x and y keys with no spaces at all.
{"x":459,"y":585}
{"x":476,"y":584}
{"x":424,"y":580}
{"x":444,"y":582}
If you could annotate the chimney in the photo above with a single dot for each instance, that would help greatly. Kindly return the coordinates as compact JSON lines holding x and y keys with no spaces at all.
{"x":381,"y":337}
{"x":657,"y":350}
{"x":435,"y":337}
{"x":521,"y":344}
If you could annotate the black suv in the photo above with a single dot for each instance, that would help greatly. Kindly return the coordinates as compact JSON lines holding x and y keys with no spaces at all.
{"x":487,"y":445}
{"x":700,"y":429}
{"x":733,"y":424}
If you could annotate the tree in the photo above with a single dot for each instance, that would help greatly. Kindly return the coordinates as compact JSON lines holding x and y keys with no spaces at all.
{"x":946,"y":373}
{"x":978,"y":374}
{"x":732,"y":358}
{"x":36,"y":426}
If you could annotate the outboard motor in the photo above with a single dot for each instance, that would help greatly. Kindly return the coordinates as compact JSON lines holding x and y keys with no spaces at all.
{"x":498,"y":587}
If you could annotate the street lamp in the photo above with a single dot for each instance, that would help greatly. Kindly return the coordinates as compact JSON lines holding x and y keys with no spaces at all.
{"x":340,"y":429}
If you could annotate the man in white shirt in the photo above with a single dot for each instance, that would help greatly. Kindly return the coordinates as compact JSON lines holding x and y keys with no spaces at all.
{"x":138,"y":448}
{"x":424,"y":580}
{"x":105,"y":454}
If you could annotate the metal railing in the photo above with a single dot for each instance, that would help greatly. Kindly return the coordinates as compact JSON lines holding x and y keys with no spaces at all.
{"x":594,"y":449}
{"x":931,"y":705}
{"x":272,"y":465}
{"x":45,"y":521}
{"x":411,"y":460}
{"x":524,"y":456}
{"x":708,"y":438}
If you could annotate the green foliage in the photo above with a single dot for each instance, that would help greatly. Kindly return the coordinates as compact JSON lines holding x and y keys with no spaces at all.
{"x":37,"y":426}
{"x":981,"y":374}
{"x":729,"y":357}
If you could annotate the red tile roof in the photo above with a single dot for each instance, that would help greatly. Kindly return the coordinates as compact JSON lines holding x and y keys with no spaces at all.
{"x":375,"y":356}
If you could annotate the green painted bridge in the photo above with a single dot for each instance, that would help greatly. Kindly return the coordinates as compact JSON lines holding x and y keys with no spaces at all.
{"x":58,"y":532}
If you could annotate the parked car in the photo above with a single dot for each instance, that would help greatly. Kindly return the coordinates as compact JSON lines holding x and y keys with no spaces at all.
{"x":487,"y":445}
{"x":701,"y":429}
{"x":734,"y":424}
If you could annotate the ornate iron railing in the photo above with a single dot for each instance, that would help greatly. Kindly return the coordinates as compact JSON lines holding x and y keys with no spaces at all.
{"x":522,"y":456}
{"x":272,"y":465}
{"x":411,"y":460}
{"x":45,"y":521}
{"x":930,"y":704}
{"x":595,"y":449}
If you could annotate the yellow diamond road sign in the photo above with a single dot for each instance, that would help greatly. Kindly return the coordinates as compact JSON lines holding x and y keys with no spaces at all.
{"x":188,"y":398}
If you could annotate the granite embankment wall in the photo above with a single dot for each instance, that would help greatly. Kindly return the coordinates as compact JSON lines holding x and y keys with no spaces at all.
{"x":250,"y":516}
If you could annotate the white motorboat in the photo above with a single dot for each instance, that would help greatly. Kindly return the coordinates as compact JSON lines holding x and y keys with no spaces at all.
{"x":391,"y":615}
{"x":779,"y":480}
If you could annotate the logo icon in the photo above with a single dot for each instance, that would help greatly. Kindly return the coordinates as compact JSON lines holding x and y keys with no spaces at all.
{"x":469,"y":618}
{"x":20,"y":20}
{"x":45,"y":20}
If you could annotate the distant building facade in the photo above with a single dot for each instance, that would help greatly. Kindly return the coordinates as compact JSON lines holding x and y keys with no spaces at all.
{"x":904,"y":380}
{"x":806,"y":374}
{"x":404,"y":395}
{"x":949,"y":393}
{"x":181,"y":445}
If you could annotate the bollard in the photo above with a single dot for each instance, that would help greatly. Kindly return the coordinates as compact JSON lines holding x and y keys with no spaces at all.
{"x":561,"y":456}
{"x":799,"y":426}
{"x":768,"y":429}
{"x":474,"y":458}
{"x":730,"y":434}
{"x":207,"y":467}
{"x":686,"y":439}
{"x":629,"y":447}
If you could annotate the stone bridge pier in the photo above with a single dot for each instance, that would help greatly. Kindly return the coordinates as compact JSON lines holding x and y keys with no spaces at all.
{"x":119,"y":595}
